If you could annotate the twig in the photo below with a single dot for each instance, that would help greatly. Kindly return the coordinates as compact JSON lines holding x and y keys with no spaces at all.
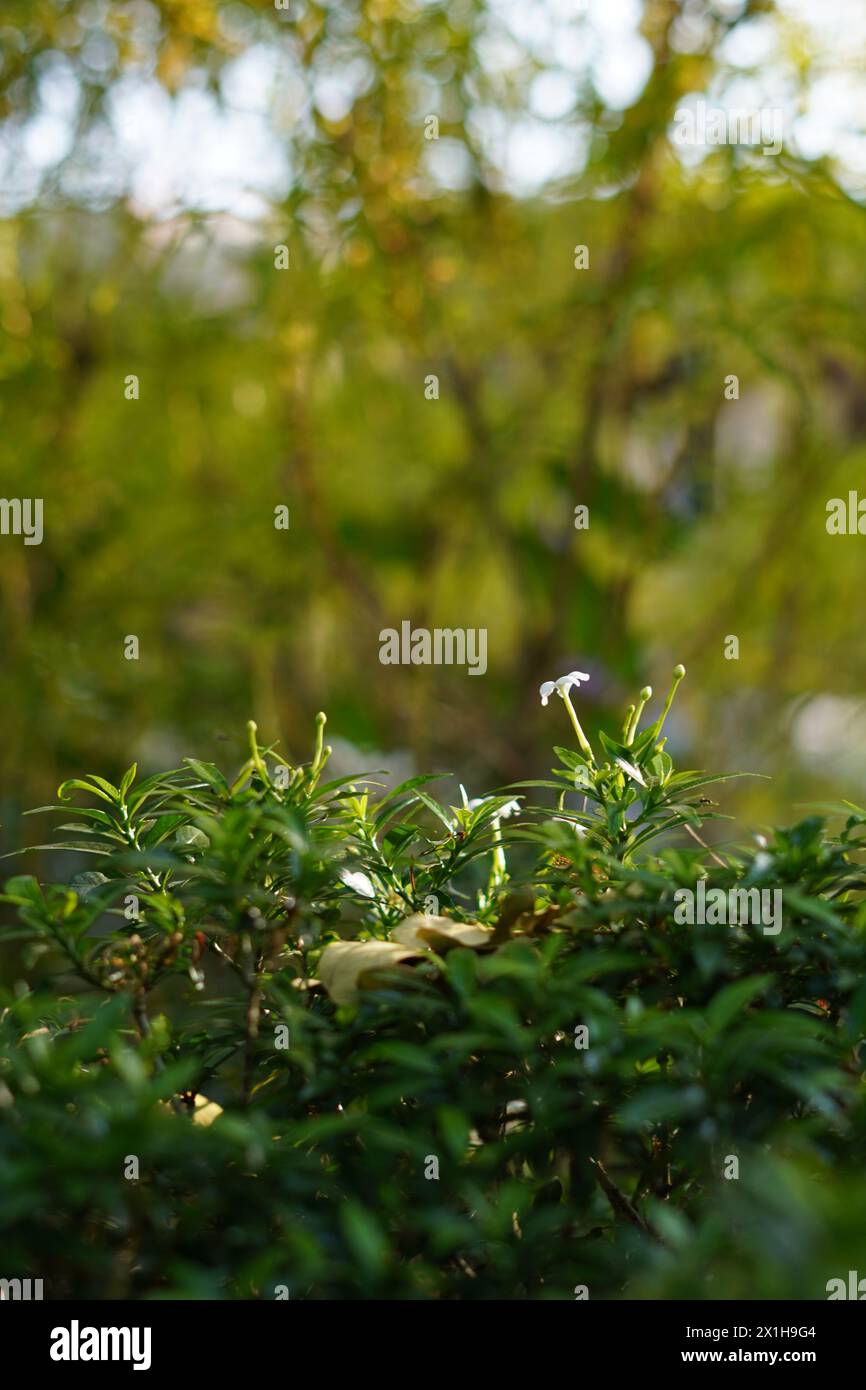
{"x":618,"y":1200}
{"x":254,"y":1009}
{"x":695,"y":836}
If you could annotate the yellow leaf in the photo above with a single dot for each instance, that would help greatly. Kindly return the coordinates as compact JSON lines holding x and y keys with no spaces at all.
{"x":206,"y":1111}
{"x":423,"y":931}
{"x":345,"y":964}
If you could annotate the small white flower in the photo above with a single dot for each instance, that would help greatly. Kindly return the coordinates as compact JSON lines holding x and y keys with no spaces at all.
{"x":358,"y":882}
{"x":562,"y":685}
{"x":579,"y":830}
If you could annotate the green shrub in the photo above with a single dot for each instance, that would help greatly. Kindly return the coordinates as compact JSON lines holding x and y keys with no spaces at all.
{"x":290,"y":1036}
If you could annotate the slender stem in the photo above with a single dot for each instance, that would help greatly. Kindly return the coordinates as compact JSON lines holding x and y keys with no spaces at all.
{"x":581,"y":736}
{"x":256,"y":756}
{"x":142,"y":1023}
{"x":679,"y":672}
{"x":320,"y":739}
{"x":322,"y":750}
{"x":498,"y":865}
{"x":139,"y":1009}
{"x":645,"y":695}
{"x":254,"y":1008}
{"x":711,"y":852}
{"x":618,"y":1200}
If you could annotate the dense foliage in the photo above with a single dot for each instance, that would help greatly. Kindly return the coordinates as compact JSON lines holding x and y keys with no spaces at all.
{"x":340,"y":1032}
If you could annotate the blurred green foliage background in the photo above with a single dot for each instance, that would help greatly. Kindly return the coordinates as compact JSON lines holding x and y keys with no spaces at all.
{"x":155,"y":152}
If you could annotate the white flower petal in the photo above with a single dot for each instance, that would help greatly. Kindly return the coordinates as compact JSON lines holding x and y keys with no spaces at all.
{"x":562,"y":685}
{"x":578,"y":829}
{"x":358,"y":882}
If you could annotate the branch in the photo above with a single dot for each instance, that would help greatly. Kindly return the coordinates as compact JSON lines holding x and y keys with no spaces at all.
{"x":619,"y":1202}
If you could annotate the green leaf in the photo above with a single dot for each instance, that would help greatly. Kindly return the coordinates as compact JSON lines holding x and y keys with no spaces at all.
{"x":127,"y":780}
{"x":735,"y":999}
{"x":630,"y":770}
{"x":86,"y":883}
{"x":436,"y":809}
{"x":365,"y":1238}
{"x":209,"y":773}
{"x":77,"y":784}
